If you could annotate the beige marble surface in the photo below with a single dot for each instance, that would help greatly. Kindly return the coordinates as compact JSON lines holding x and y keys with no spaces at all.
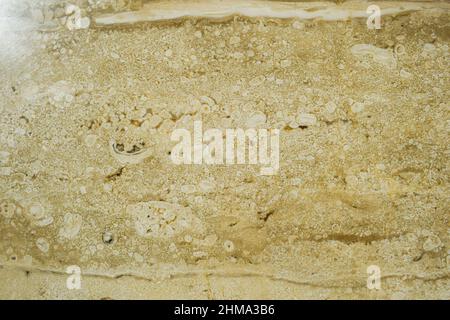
{"x":88,"y":108}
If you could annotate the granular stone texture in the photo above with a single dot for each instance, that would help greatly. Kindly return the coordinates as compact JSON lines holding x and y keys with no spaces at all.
{"x":87,"y":179}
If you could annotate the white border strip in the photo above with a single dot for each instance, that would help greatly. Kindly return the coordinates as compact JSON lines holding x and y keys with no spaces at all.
{"x":216,"y":9}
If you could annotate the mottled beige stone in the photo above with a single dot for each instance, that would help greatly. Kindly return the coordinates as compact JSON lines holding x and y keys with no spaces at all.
{"x":87,"y":180}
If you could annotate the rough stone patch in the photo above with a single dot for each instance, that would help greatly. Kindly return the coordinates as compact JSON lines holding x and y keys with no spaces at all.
{"x":384,"y":57}
{"x":159,"y":219}
{"x":71,"y":226}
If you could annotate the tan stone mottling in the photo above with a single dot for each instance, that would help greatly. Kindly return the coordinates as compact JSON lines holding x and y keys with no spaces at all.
{"x":86,"y":177}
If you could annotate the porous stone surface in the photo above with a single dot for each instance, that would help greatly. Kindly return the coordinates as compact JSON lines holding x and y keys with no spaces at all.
{"x":86,"y":176}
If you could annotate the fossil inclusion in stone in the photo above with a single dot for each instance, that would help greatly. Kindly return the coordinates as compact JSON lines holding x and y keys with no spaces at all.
{"x":92,"y":90}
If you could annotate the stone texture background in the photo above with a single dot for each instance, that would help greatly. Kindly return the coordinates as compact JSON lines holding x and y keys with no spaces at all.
{"x":364,"y":182}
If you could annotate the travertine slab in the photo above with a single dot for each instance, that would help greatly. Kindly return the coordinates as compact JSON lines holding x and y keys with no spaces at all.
{"x":86,"y":176}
